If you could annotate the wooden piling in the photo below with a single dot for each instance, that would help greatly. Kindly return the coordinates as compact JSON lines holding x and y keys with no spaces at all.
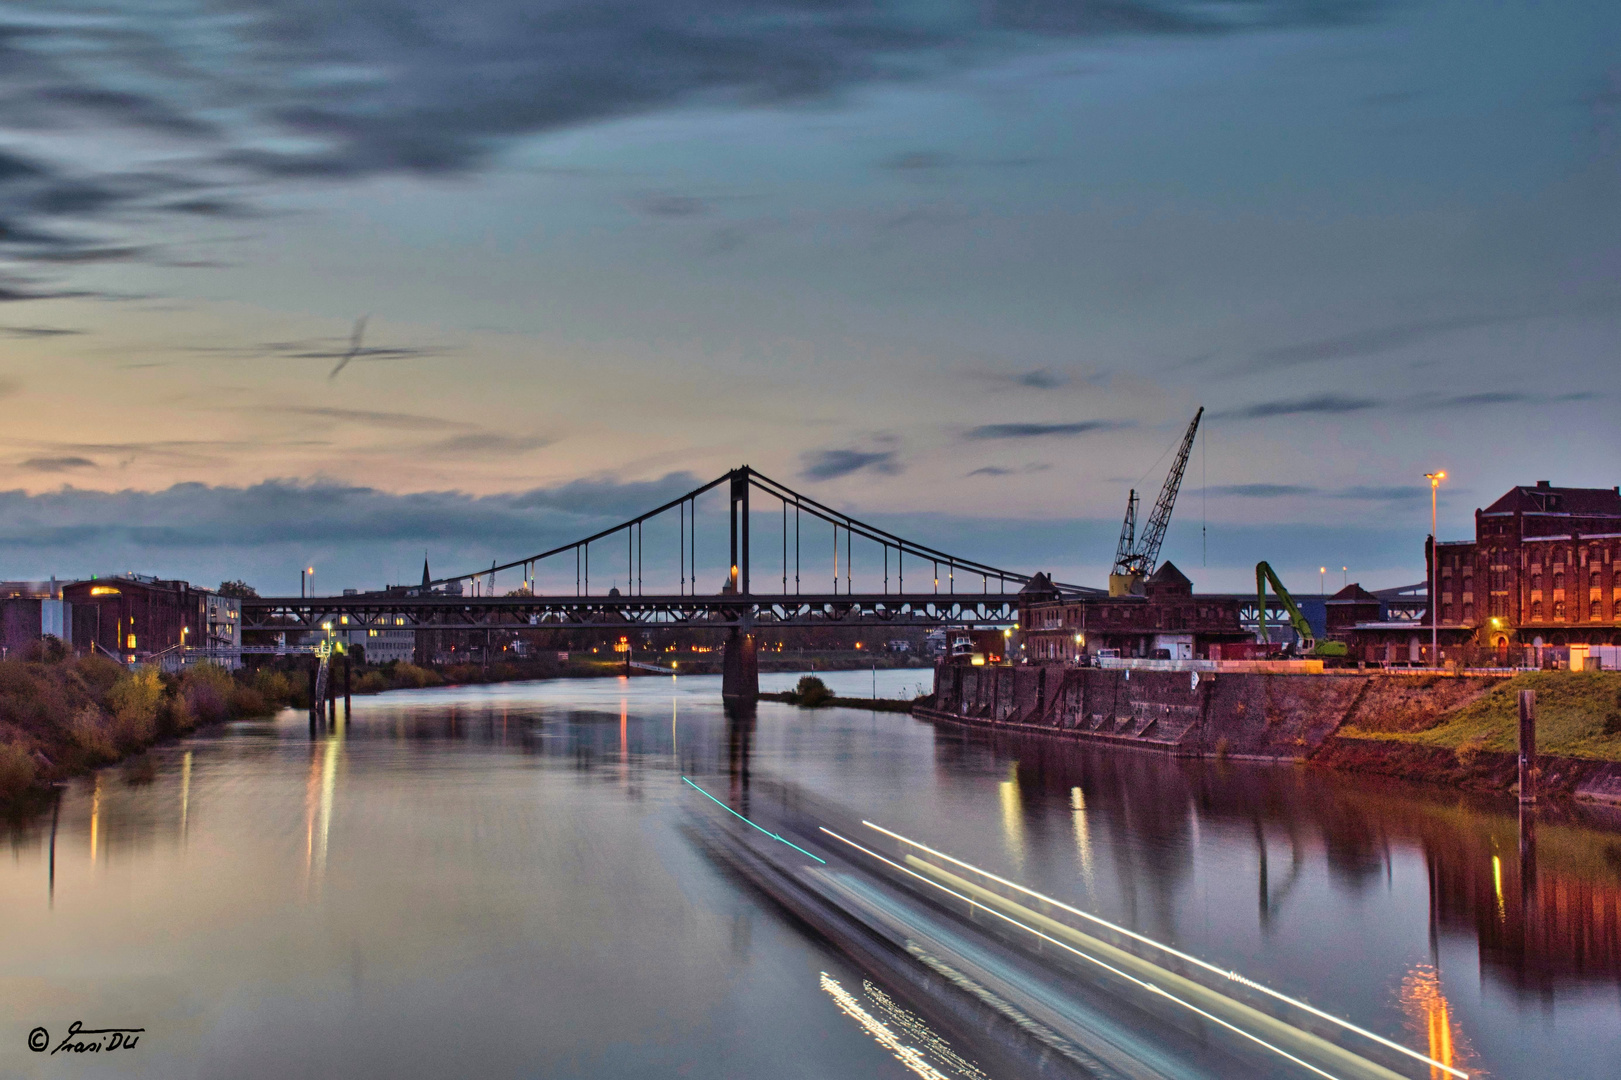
{"x":1528,"y":746}
{"x":315,"y":706}
{"x":348,"y":706}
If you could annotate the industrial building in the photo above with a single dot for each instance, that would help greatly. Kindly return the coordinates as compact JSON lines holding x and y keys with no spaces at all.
{"x":1165,"y":620}
{"x":136,"y":617}
{"x":1541,"y":570}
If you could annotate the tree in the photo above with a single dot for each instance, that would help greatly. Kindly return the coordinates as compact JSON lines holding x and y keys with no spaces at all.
{"x":237,"y":590}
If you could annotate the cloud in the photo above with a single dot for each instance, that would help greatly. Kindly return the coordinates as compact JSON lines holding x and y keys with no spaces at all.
{"x":1367,"y":342}
{"x":9,"y":387}
{"x":56,"y":464}
{"x":1261,"y":491}
{"x":1504,"y":397}
{"x":998,"y":470}
{"x":1038,"y":431}
{"x":330,"y":91}
{"x":396,"y":421}
{"x":1330,"y":404}
{"x":36,"y":331}
{"x":673,"y":206}
{"x":1038,"y":379}
{"x":478,"y":444}
{"x":832,"y":464}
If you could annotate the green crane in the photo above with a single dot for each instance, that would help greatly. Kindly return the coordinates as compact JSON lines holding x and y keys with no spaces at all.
{"x":1309,"y":646}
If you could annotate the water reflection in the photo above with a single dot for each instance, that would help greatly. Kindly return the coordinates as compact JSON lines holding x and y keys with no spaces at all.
{"x":1429,"y":1013}
{"x":1550,"y":917}
{"x":1284,"y":873}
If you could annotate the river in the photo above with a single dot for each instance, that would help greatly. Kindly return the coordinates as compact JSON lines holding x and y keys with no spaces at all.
{"x":496,"y":881}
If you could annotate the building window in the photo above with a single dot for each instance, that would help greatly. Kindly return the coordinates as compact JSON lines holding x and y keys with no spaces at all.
{"x":1468,"y":612}
{"x":1536,"y":609}
{"x":1536,"y":582}
{"x":1558,"y":609}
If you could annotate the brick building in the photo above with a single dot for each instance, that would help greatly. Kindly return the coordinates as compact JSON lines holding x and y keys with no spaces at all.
{"x":1169,"y":619}
{"x":1541,"y":570}
{"x":138,"y":616}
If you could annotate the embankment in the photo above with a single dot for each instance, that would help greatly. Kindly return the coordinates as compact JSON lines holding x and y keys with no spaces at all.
{"x":1455,"y":730}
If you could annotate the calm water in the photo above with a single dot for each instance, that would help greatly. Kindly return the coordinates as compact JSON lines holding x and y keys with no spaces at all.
{"x":494,"y":881}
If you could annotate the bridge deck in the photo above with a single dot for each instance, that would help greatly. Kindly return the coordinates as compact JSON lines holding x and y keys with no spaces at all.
{"x":440,"y":612}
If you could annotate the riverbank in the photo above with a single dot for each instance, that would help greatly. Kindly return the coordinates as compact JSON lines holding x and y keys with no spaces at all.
{"x":1460,"y":731}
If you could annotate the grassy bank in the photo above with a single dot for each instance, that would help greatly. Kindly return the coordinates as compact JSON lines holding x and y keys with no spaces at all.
{"x":62,"y":715}
{"x":1578,"y":716}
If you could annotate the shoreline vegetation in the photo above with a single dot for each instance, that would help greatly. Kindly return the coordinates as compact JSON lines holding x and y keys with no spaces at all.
{"x":63,"y":715}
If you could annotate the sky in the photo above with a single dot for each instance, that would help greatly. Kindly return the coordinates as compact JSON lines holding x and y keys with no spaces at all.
{"x":963,"y":270}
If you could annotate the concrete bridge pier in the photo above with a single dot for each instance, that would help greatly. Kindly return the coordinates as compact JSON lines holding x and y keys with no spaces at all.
{"x":740,"y":668}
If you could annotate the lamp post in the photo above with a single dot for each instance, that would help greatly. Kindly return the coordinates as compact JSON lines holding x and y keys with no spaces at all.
{"x":1435,"y":479}
{"x":1322,"y":581}
{"x":311,"y":572}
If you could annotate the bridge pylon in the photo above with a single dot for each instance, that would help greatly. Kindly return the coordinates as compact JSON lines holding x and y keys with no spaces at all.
{"x":740,"y":667}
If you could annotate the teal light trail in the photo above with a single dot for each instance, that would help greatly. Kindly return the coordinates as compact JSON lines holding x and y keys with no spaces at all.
{"x":746,"y":821}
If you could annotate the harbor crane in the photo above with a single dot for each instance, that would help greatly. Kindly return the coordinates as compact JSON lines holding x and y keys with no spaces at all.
{"x":1135,"y":557}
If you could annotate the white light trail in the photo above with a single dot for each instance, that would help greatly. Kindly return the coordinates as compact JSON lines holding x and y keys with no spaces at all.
{"x":880,"y":1032}
{"x":1150,"y":987}
{"x":1226,"y":974}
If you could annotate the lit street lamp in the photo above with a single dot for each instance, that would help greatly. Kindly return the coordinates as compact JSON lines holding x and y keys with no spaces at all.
{"x":311,"y":572}
{"x":1435,"y":479}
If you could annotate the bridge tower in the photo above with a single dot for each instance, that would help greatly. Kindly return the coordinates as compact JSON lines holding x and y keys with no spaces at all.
{"x":740,"y":666}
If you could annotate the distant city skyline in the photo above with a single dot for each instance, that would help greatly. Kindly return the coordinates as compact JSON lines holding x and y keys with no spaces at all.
{"x":966,"y":273}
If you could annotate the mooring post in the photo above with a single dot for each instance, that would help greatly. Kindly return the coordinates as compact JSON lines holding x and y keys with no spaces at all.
{"x":348,"y":706}
{"x":315,"y":703}
{"x":331,"y":696}
{"x":1528,"y":746}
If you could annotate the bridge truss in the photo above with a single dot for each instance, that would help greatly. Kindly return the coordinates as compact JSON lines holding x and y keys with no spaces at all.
{"x":947,"y":595}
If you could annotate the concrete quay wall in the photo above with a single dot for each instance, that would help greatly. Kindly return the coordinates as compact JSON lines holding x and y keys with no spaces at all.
{"x":1189,"y":713}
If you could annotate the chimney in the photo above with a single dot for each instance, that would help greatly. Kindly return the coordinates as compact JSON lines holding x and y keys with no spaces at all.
{"x":1542,"y":483}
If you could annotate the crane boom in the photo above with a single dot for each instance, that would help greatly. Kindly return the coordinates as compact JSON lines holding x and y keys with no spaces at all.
{"x":1136,"y":558}
{"x":1160,"y":519}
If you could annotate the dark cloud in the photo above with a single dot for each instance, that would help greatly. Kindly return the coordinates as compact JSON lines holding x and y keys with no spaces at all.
{"x":673,"y":206}
{"x":1367,"y":342}
{"x":832,"y":464}
{"x":1330,"y":404}
{"x":397,"y":421}
{"x":1505,"y":397}
{"x":481,"y":443}
{"x":1038,"y":379}
{"x":403,"y":86}
{"x":1261,"y":491}
{"x":36,"y":331}
{"x":56,"y":464}
{"x":1038,"y":431}
{"x":1285,"y":491}
{"x":998,"y":470}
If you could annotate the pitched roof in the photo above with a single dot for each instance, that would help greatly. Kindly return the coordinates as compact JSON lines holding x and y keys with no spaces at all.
{"x":1168,"y":574}
{"x":1353,"y":593}
{"x":1577,"y":502}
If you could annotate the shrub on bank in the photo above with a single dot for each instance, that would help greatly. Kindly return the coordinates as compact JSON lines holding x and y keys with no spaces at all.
{"x":811,"y":692}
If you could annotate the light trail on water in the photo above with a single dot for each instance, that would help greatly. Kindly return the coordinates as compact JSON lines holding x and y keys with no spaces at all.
{"x":1224,"y":973}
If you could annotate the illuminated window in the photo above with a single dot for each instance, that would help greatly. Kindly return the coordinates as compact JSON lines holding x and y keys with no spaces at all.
{"x":131,"y":643}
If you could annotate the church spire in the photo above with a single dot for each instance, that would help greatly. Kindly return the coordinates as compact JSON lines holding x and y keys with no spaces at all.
{"x":425,"y":578}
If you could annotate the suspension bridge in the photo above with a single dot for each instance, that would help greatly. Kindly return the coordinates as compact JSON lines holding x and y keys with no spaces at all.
{"x":771,"y":580}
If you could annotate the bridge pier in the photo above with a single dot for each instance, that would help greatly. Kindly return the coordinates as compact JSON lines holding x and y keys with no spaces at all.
{"x":740,"y":668}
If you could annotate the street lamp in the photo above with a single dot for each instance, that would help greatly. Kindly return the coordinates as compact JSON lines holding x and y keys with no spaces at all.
{"x":310,"y":570}
{"x":1322,"y":581}
{"x":1435,"y":479}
